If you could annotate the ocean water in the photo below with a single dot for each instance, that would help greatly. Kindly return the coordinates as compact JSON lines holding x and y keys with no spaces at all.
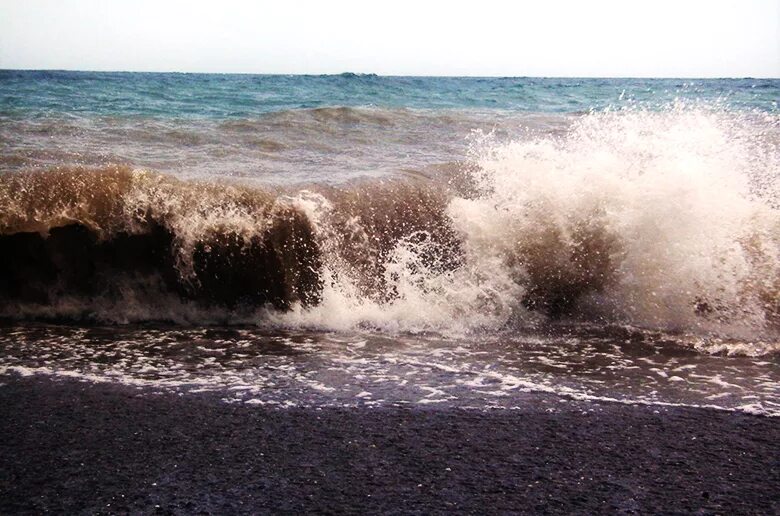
{"x":356,"y":240}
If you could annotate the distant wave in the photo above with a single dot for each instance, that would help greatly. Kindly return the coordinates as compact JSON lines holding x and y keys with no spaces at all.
{"x":333,"y":144}
{"x":353,"y":75}
{"x":664,"y":220}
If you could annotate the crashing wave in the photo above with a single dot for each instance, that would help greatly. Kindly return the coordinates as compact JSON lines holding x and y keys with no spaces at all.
{"x":664,"y":220}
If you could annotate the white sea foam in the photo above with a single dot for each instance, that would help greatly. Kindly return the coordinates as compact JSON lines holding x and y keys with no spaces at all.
{"x":665,"y":220}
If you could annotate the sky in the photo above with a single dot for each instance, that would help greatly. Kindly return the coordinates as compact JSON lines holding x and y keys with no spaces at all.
{"x":595,"y":38}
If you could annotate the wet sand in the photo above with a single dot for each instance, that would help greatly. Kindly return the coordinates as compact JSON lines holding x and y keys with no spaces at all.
{"x":72,"y":447}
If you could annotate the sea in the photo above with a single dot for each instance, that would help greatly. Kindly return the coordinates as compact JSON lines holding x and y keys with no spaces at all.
{"x":364,"y":241}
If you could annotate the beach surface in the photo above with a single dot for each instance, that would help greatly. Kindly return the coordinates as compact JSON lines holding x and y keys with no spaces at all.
{"x":78,"y":447}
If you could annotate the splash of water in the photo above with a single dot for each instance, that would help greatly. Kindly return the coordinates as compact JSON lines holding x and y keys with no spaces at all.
{"x":659,"y":219}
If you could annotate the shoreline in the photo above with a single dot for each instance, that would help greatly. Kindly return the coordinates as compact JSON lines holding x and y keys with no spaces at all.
{"x":77,"y":447}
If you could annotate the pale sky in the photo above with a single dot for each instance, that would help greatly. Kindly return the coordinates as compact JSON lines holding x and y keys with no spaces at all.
{"x":604,"y":38}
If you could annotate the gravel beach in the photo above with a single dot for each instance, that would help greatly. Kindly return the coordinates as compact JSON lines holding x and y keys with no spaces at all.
{"x":76,"y":447}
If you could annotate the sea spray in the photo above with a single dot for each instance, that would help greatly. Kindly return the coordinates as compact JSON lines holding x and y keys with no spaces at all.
{"x":650,"y":218}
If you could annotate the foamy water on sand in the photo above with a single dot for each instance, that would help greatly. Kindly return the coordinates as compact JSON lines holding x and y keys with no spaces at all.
{"x":355,"y":369}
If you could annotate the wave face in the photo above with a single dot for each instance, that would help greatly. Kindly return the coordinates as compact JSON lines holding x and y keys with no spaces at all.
{"x":660,"y":219}
{"x":85,"y":241}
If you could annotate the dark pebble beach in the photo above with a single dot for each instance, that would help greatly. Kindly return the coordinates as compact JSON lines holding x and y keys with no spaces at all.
{"x":79,"y":448}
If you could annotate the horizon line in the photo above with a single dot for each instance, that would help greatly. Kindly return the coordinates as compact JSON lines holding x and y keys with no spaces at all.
{"x":335,"y":74}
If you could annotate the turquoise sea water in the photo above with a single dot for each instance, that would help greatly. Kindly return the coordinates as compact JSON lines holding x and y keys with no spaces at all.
{"x":39,"y":93}
{"x":327,"y":129}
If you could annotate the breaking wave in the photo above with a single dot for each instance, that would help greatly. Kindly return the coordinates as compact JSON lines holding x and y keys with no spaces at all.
{"x":667,"y":220}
